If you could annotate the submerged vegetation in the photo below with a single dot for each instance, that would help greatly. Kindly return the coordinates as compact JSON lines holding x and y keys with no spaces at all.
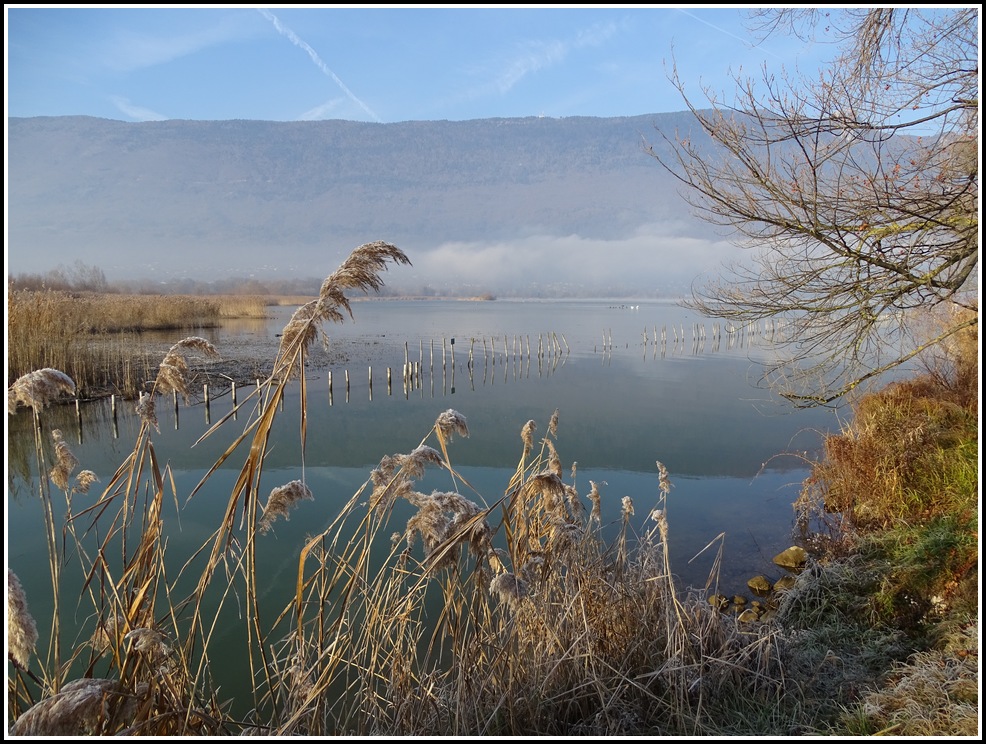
{"x":516,"y":613}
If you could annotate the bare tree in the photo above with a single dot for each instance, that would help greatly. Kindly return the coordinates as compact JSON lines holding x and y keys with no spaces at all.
{"x":857,"y":192}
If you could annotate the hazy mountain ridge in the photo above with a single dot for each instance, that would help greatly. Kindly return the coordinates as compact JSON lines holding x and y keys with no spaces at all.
{"x":215,"y":196}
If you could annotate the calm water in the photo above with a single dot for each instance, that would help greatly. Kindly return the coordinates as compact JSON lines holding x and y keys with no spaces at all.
{"x":624,"y":401}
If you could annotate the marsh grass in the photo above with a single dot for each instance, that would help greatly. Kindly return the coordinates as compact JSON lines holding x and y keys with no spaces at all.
{"x":416,"y":612}
{"x":96,"y":339}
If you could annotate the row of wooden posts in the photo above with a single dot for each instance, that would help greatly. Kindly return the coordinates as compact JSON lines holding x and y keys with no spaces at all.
{"x":551,"y":346}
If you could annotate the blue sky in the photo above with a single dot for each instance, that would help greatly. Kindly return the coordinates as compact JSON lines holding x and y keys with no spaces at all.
{"x":383,"y":64}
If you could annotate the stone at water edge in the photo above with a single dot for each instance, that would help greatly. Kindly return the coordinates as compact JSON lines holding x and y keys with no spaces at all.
{"x":759,"y":585}
{"x":784,"y":583}
{"x":792,"y":559}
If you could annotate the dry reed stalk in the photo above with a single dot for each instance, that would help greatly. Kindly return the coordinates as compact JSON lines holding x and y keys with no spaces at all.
{"x":22,"y":632}
{"x":359,"y":271}
{"x":37,"y":389}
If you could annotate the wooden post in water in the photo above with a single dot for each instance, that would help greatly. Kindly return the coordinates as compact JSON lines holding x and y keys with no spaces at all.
{"x":369,"y":376}
{"x":388,"y":381}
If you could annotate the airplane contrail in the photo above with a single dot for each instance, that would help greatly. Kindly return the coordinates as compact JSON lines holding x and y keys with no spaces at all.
{"x":293,"y":38}
{"x":745,"y":42}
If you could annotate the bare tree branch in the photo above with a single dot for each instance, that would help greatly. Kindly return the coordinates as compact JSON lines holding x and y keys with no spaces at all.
{"x":857,"y":192}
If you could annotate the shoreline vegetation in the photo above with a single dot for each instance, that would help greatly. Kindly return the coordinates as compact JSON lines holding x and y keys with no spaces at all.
{"x":546,"y":629}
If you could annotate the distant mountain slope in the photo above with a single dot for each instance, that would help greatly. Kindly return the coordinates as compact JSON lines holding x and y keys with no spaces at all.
{"x":213,"y":196}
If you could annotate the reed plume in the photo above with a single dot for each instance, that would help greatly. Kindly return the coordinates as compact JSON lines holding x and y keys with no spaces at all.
{"x":527,"y":435}
{"x":37,"y":389}
{"x":65,"y":461}
{"x":280,"y":502}
{"x":553,"y":424}
{"x":393,"y":477}
{"x":554,"y":461}
{"x":83,"y":480}
{"x":150,"y":642}
{"x":173,"y":371}
{"x":361,"y":270}
{"x":594,"y":497}
{"x":510,"y":588}
{"x":446,"y":519}
{"x":79,"y":708}
{"x":147,"y":410}
{"x":451,"y":422}
{"x":22,"y":632}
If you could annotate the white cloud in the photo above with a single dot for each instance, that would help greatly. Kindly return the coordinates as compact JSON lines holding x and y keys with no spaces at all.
{"x":536,"y":55}
{"x":133,"y":51}
{"x":138,"y":113}
{"x":324,"y":111}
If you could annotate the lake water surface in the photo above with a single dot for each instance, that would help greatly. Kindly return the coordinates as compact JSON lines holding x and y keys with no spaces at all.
{"x":625,"y":400}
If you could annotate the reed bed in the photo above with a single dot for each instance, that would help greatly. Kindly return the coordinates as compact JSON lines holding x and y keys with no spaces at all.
{"x":416,"y":612}
{"x":97,"y":338}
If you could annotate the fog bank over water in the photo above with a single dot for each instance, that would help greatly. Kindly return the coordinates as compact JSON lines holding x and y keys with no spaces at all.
{"x":651,"y":262}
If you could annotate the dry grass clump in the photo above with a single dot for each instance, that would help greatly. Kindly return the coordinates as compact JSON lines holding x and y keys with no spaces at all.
{"x":934,"y":694}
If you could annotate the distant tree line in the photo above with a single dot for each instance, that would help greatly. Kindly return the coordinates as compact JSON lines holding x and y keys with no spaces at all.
{"x":80,"y":277}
